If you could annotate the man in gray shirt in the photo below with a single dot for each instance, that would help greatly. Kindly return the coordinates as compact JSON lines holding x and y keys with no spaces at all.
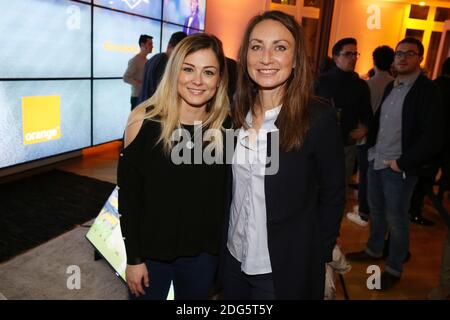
{"x":134,"y":75}
{"x":407,"y":132}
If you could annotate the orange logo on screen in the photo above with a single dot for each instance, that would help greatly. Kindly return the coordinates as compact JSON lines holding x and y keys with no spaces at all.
{"x":41,"y":119}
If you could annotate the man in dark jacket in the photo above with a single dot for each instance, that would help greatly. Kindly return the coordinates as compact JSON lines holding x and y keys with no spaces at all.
{"x":443,"y":84}
{"x":406,"y":134}
{"x":350,"y":95}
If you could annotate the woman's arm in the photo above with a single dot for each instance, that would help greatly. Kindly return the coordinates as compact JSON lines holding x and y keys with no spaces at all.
{"x":130,"y":182}
{"x":330,"y":170}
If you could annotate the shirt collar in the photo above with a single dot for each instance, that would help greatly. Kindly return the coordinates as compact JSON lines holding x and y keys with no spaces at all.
{"x":408,"y":81}
{"x":270,"y":116}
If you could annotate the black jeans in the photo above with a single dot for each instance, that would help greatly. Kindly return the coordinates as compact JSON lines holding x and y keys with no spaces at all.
{"x":240,"y":286}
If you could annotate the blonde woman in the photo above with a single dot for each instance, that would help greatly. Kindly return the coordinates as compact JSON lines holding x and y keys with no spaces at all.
{"x":172,"y":201}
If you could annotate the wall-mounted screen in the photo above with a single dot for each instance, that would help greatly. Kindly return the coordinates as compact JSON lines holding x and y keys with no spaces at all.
{"x":188,"y":13}
{"x":148,"y":8}
{"x":61,"y":69}
{"x":110,"y":110}
{"x":116,"y":38}
{"x":167,"y":31}
{"x":43,"y":118}
{"x":45,"y":39}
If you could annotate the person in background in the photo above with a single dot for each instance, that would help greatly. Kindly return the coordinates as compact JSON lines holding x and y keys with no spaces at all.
{"x":443,"y":84}
{"x":154,"y":68}
{"x":351,"y":97}
{"x":383,"y":57}
{"x":232,"y":78}
{"x":426,"y":179}
{"x":135,"y":70}
{"x":407,"y":133}
{"x":192,"y":23}
{"x":172,"y":210}
{"x":285,"y":212}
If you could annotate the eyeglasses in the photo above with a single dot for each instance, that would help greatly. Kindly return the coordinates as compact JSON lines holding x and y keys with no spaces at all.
{"x":350,"y":54}
{"x":407,"y":54}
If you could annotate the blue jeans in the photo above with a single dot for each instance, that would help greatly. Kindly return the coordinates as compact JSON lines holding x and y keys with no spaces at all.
{"x":193,"y":278}
{"x":389,"y":195}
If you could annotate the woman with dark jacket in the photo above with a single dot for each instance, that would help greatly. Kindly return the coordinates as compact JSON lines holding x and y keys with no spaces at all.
{"x":287,"y":185}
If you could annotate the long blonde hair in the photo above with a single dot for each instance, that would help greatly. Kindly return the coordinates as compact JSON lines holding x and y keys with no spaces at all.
{"x":164,"y":105}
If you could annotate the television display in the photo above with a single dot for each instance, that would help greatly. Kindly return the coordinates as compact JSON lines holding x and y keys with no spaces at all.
{"x":45,"y":39}
{"x":111,"y":108}
{"x":188,"y":13}
{"x":43,"y":118}
{"x":148,"y":8}
{"x":116,"y":38}
{"x":61,"y":69}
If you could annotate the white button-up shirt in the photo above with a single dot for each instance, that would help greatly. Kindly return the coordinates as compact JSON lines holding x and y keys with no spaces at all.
{"x":247,"y":234}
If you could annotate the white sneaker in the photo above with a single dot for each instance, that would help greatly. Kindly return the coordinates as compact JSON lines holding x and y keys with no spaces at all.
{"x":356,"y":218}
{"x":339,"y":263}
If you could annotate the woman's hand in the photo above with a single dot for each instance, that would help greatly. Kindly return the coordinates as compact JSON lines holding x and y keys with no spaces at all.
{"x":134,"y":275}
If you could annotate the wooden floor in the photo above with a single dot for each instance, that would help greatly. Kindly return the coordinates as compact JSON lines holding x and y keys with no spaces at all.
{"x":420,"y":275}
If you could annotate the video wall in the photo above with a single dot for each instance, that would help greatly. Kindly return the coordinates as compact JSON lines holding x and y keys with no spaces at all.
{"x":61,"y":68}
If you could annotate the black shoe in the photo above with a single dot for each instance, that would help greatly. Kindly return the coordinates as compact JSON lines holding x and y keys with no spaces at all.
{"x":422,"y":221}
{"x":362,"y":256}
{"x":387,"y":281}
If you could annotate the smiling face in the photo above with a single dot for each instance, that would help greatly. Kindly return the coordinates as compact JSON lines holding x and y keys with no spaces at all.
{"x":198,"y":78}
{"x":270,"y":55}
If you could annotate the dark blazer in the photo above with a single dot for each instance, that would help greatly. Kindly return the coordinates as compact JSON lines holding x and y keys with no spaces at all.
{"x":153,"y":72}
{"x":422,"y":125}
{"x":350,"y":95}
{"x":304,"y":204}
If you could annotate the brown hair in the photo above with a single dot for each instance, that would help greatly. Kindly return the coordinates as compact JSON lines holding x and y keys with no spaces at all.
{"x":293,"y":120}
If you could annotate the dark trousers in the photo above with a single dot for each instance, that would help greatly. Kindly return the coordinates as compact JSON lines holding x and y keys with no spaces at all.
{"x":389,"y":199}
{"x":425,"y":182}
{"x":240,"y":286}
{"x":363,"y":165}
{"x":134,"y":102}
{"x":192,"y":277}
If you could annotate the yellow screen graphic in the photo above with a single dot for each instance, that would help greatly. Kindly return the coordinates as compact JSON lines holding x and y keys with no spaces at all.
{"x":41,"y":119}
